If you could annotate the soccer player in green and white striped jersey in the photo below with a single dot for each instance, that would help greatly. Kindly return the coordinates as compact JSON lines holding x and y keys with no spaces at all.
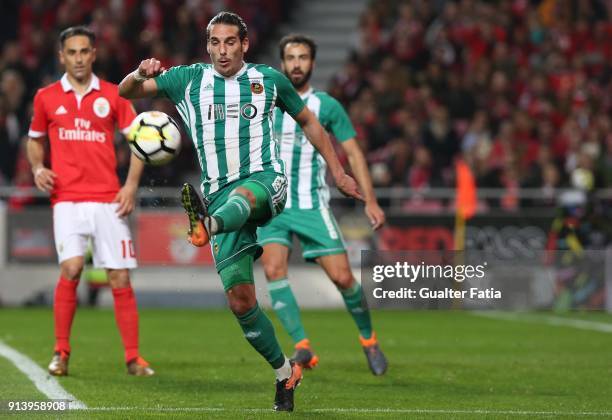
{"x":227,"y":108}
{"x":307,"y":213}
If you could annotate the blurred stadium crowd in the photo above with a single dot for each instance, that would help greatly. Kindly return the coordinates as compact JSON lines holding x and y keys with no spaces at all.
{"x":521,"y":89}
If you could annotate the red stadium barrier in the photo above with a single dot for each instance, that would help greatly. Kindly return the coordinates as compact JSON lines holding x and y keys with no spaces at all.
{"x":162,"y":240}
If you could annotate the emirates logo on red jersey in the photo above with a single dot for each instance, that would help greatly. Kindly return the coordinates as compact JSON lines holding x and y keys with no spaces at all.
{"x":81,"y":132}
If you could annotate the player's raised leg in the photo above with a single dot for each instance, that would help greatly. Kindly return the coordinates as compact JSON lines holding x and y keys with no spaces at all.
{"x":275,"y":262}
{"x":339,"y":271}
{"x":229,"y":217}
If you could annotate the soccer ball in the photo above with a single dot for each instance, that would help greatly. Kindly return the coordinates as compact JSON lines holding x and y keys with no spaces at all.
{"x":154,"y":138}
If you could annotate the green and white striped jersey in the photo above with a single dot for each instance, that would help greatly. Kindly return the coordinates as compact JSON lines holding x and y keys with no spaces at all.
{"x":229,"y":119}
{"x":304,"y":166}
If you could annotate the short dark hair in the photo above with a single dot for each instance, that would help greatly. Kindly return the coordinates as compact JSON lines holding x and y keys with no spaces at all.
{"x":74,"y":31}
{"x":298,"y":39}
{"x":228,"y":18}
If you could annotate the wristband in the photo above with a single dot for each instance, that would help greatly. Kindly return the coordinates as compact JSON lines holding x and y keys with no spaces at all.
{"x":138,"y":78}
{"x":38,"y":171}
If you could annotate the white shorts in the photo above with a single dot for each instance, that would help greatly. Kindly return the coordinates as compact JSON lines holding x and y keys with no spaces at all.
{"x":75,"y":223}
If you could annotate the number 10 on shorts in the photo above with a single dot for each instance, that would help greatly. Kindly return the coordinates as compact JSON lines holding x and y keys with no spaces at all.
{"x":127,"y":247}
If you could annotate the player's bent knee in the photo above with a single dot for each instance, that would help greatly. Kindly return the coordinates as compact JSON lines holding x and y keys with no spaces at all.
{"x":258,"y":199}
{"x":242,"y":307}
{"x":241,"y":298}
{"x":275,"y":271}
{"x":343,"y":279}
{"x":245,"y":192}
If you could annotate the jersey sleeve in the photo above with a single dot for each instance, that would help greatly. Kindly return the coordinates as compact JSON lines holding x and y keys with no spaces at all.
{"x":336,"y":119}
{"x":287,"y":98}
{"x":172,"y":82}
{"x":40,"y":122}
{"x":125,"y":114}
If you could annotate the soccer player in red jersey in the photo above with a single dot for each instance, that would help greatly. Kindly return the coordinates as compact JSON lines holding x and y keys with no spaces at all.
{"x":78,"y":115}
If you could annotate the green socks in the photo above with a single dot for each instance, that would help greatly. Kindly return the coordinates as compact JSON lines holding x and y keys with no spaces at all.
{"x":286,"y":308}
{"x":232,"y":215}
{"x":259,"y":332}
{"x":357,"y":307}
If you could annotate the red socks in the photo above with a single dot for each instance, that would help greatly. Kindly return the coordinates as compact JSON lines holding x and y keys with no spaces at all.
{"x":126,"y":314}
{"x":64,"y":306}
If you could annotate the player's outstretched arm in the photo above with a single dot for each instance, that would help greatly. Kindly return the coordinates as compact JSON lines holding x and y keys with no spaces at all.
{"x":320,"y":140}
{"x":140,"y":83}
{"x":360,"y":169}
{"x":44,"y":178}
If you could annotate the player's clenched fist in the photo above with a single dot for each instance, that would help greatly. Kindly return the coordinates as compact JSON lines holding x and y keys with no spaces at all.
{"x":148,"y":68}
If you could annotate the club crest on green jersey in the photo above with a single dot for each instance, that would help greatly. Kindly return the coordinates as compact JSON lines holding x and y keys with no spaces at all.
{"x":257,"y":88}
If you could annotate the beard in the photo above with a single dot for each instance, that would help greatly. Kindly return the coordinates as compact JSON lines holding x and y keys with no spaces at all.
{"x":299,"y":83}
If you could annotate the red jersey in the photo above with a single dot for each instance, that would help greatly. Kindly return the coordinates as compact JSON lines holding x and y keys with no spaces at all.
{"x":81,"y":130}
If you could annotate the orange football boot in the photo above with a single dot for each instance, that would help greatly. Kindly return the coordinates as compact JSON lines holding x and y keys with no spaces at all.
{"x":197,"y":213}
{"x":139,"y":367}
{"x":304,"y":356}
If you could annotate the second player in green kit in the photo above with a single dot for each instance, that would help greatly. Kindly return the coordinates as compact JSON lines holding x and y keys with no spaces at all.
{"x":227,"y":109}
{"x":307,"y":211}
{"x":307,"y":215}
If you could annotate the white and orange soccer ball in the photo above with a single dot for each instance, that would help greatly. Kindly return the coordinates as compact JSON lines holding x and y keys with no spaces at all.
{"x":154,"y":138}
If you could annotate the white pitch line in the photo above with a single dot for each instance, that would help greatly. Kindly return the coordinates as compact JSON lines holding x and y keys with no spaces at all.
{"x":45,"y":383}
{"x":549,"y":320}
{"x":362,"y":411}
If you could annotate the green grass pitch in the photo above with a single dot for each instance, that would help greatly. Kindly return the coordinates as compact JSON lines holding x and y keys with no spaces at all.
{"x":442,"y":365}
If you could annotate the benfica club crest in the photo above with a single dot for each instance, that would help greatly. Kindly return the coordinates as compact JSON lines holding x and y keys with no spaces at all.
{"x":256,"y":88}
{"x":101,"y":107}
